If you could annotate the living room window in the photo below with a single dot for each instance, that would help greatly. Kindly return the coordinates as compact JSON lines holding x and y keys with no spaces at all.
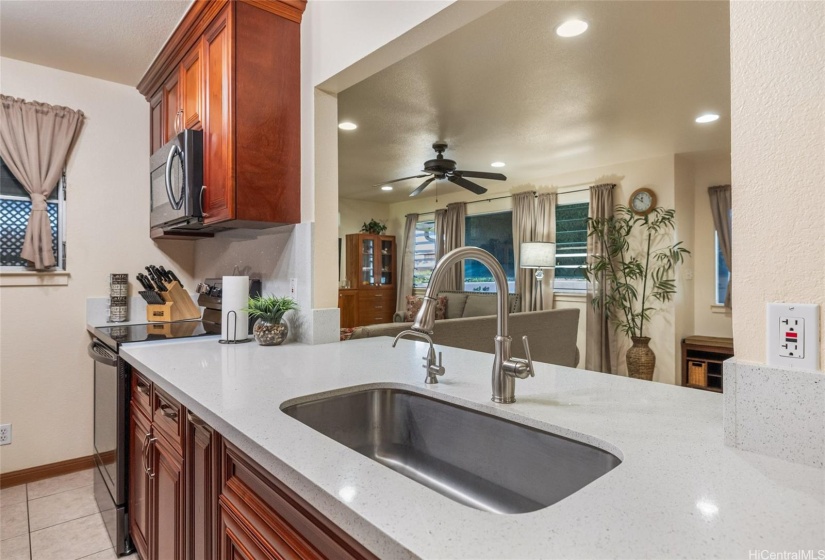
{"x":722,"y":273}
{"x":571,"y":247}
{"x":424,"y":253}
{"x":493,"y":233}
{"x":15,"y":207}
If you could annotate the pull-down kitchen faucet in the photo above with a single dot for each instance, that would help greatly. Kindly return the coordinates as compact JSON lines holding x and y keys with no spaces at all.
{"x":505,"y":367}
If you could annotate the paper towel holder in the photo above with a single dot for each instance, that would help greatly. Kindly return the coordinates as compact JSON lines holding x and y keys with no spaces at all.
{"x":232,"y":315}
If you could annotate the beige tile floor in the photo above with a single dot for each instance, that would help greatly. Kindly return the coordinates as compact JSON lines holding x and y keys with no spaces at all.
{"x":53,"y":519}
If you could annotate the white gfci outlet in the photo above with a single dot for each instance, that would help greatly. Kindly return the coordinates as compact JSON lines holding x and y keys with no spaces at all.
{"x":793,"y":335}
{"x":5,"y":434}
{"x":293,"y":288}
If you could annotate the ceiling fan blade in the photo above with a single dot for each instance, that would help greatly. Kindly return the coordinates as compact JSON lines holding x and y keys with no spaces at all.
{"x":481,"y":175}
{"x":421,"y":187}
{"x":401,"y":179}
{"x":469,"y":185}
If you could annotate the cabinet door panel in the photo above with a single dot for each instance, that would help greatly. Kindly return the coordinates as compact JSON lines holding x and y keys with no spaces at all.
{"x":201,"y":484}
{"x":167,"y":501}
{"x":217,"y":138}
{"x":236,"y":541}
{"x":156,"y":132}
{"x":171,"y":107}
{"x":139,"y":483}
{"x":192,"y":88}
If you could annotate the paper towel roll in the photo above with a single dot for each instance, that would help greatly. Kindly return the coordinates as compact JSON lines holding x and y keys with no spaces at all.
{"x":235,"y":297}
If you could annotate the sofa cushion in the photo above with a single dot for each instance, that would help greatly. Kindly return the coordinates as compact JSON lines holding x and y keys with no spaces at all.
{"x":479,"y":305}
{"x":455,"y":303}
{"x":414,"y":305}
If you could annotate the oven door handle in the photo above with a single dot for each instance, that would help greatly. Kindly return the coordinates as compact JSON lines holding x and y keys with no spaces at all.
{"x":102,"y":354}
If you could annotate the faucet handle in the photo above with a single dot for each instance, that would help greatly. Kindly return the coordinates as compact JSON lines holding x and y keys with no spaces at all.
{"x":529,"y":358}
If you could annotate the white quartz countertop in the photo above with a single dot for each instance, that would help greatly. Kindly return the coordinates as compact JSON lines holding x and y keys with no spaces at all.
{"x":679,"y":492}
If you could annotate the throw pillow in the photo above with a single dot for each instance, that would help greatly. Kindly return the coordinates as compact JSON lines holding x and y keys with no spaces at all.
{"x":414,"y":305}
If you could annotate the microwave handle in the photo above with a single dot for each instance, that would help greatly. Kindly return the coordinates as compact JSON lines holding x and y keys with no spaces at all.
{"x":169,"y":194}
{"x":203,"y":191}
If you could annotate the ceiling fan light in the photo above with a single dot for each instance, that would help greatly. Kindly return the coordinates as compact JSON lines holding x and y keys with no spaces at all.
{"x":571,"y":28}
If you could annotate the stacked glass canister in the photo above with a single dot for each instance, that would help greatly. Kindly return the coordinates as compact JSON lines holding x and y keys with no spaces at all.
{"x":118,"y":298}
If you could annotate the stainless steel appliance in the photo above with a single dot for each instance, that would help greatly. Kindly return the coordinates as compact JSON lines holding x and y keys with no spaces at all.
{"x":112,"y":382}
{"x":176,"y":179}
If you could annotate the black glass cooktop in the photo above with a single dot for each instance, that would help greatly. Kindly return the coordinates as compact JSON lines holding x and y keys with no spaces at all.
{"x":121,"y":334}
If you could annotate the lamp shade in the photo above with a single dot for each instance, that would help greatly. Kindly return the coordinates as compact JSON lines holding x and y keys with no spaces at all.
{"x":538,"y":254}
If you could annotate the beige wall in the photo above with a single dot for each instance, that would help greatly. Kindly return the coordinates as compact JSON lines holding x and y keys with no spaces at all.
{"x":45,"y":373}
{"x":778,"y":163}
{"x":685,"y":282}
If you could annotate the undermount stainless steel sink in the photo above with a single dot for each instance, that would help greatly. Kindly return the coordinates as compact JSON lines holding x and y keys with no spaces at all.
{"x":476,"y":459}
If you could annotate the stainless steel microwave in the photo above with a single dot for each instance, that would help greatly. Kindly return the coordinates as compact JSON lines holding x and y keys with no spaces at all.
{"x":177,"y":182}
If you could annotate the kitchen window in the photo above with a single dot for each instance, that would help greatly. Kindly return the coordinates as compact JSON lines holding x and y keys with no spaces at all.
{"x":15,"y":207}
{"x":424,"y":260}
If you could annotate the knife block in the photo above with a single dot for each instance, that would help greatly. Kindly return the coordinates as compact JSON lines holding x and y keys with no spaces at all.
{"x":178,"y":306}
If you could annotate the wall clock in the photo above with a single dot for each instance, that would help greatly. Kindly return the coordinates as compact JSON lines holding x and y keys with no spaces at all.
{"x":642,"y":201}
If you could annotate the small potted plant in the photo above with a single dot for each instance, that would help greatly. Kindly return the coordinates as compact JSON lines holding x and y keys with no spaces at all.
{"x":374,"y":227}
{"x":269,"y":310}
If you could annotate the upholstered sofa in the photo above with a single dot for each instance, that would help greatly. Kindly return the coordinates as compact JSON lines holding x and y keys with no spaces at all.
{"x":552,"y":333}
{"x":469,"y":304}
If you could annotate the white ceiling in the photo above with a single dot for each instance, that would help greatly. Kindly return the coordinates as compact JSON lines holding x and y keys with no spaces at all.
{"x":114,"y":40}
{"x":506,"y":87}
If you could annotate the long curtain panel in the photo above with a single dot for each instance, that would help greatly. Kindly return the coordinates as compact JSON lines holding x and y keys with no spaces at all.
{"x":440,"y":222}
{"x":545,"y":231}
{"x":720,"y":208}
{"x":524,"y":227}
{"x":35,"y":139}
{"x":598,"y":355}
{"x":405,"y":277}
{"x":454,"y":234}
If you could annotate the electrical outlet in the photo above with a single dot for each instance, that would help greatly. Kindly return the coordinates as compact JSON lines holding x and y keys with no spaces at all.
{"x":793,"y":335}
{"x":293,"y":288}
{"x":5,"y":434}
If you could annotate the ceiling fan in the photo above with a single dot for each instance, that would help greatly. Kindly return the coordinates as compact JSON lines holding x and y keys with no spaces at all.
{"x":441,"y":168}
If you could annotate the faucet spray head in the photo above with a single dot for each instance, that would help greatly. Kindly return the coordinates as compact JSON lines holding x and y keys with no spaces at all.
{"x":425,"y":320}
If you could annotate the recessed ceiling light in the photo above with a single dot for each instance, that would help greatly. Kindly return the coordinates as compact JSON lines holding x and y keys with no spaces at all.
{"x":386,"y":188}
{"x":497,"y":164}
{"x":707,"y":117}
{"x":571,"y":28}
{"x":346,"y":125}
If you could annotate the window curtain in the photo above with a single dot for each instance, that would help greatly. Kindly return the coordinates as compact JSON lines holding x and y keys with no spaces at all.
{"x":545,"y":231}
{"x":598,"y":355}
{"x":454,"y":230}
{"x":524,"y":227}
{"x":35,"y":140}
{"x":720,"y":207}
{"x":405,"y":278}
{"x":440,"y":222}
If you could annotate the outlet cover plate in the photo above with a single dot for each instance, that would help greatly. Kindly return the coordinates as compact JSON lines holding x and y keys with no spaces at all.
{"x":5,"y":434}
{"x":808,"y":314}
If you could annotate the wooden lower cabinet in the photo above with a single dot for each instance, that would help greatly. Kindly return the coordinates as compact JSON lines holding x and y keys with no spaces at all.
{"x":213,"y":502}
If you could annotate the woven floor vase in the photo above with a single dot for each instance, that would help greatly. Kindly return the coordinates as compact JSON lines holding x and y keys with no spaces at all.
{"x":641,"y":361}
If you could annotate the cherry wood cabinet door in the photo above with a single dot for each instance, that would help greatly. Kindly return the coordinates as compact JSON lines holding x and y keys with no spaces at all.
{"x":200,"y":460}
{"x":236,"y":542}
{"x":140,"y":434}
{"x":191,"y":84}
{"x":171,"y":107}
{"x":219,"y":193}
{"x":167,"y":498}
{"x":156,"y":122}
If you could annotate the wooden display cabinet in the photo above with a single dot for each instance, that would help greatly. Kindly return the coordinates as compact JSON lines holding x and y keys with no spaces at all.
{"x":702,"y":358}
{"x":371,"y":272}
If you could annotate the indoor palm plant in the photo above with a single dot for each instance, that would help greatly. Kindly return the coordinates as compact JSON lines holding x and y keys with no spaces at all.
{"x":269,"y":330}
{"x":635,"y":281}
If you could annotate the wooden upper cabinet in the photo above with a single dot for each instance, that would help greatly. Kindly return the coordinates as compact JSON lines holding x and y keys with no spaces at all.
{"x":156,"y":122}
{"x":171,"y":107}
{"x":232,"y":68}
{"x":191,"y":87}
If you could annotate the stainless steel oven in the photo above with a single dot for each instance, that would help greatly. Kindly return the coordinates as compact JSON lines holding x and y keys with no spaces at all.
{"x":111,"y":441}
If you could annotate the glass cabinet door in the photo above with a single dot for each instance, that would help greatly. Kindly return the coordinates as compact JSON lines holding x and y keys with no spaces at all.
{"x":386,"y":262}
{"x":367,"y":261}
